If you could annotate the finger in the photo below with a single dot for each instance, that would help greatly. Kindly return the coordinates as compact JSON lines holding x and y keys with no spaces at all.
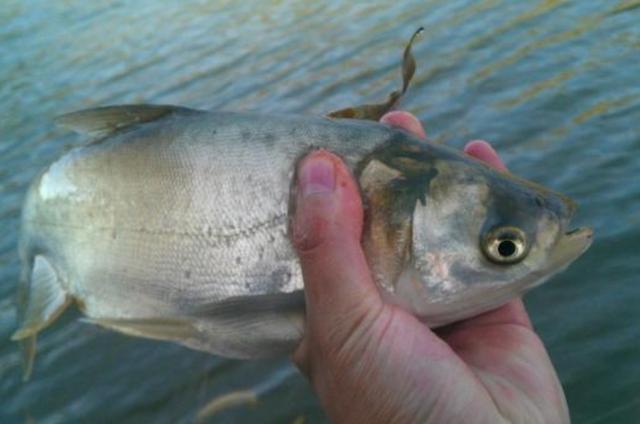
{"x":483,"y":151}
{"x":406,"y":121}
{"x":326,"y":232}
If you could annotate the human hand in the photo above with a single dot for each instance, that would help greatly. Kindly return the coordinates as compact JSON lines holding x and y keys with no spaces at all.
{"x":371,"y":362}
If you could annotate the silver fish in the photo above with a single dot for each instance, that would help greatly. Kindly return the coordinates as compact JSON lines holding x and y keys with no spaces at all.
{"x":177,"y":228}
{"x":173,"y":225}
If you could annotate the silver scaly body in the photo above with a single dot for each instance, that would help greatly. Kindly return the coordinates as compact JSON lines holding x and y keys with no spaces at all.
{"x":174,"y":225}
{"x":177,"y":216}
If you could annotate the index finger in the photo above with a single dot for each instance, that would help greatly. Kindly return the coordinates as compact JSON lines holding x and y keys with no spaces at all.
{"x":483,"y":151}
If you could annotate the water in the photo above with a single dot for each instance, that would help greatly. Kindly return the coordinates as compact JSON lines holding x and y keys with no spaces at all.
{"x":554,"y":85}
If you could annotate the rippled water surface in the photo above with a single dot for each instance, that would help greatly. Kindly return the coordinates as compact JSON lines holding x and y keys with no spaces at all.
{"x":555,"y":85}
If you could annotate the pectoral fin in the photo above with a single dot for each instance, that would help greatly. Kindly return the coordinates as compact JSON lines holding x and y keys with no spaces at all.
{"x":252,"y":307}
{"x":104,"y":120}
{"x":375,"y":111}
{"x":172,"y":329}
{"x":254,"y":326}
{"x":243,"y":327}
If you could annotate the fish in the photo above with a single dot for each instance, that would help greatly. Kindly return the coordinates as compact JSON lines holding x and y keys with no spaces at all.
{"x":174,"y":224}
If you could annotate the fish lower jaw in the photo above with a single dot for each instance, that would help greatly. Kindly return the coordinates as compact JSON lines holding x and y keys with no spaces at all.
{"x":458,"y":302}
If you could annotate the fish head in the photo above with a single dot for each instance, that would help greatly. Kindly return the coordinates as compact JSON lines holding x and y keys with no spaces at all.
{"x":465,"y":238}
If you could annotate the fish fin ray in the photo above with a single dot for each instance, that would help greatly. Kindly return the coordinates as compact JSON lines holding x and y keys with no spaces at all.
{"x":375,"y":111}
{"x":28,"y":348}
{"x":43,"y":299}
{"x":172,"y":329}
{"x":102,"y":121}
{"x":271,"y":323}
{"x":252,"y":305}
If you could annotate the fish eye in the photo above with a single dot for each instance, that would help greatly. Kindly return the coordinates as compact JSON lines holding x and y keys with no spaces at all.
{"x":505,"y":245}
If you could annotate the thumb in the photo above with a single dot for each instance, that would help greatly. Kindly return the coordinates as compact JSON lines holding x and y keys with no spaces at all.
{"x":326,"y":229}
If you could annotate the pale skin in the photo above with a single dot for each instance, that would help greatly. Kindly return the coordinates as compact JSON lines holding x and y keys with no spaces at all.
{"x":372,"y":362}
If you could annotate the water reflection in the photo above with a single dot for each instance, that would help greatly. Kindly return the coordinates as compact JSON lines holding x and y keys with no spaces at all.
{"x":553,"y":84}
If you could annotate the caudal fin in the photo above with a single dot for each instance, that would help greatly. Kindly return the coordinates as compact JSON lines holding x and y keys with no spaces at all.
{"x":43,"y":301}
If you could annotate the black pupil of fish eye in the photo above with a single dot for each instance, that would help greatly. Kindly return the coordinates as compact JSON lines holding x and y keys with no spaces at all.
{"x":506,"y":248}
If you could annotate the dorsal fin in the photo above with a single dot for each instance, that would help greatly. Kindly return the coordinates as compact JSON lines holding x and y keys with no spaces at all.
{"x":107,"y":119}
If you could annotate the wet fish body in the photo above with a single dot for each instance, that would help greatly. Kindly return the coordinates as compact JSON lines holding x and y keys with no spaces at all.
{"x":174,"y":226}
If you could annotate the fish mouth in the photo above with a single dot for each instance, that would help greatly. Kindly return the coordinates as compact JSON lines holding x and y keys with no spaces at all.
{"x":571,"y":245}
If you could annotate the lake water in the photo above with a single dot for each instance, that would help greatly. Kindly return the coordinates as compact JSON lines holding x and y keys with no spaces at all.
{"x":554,"y":85}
